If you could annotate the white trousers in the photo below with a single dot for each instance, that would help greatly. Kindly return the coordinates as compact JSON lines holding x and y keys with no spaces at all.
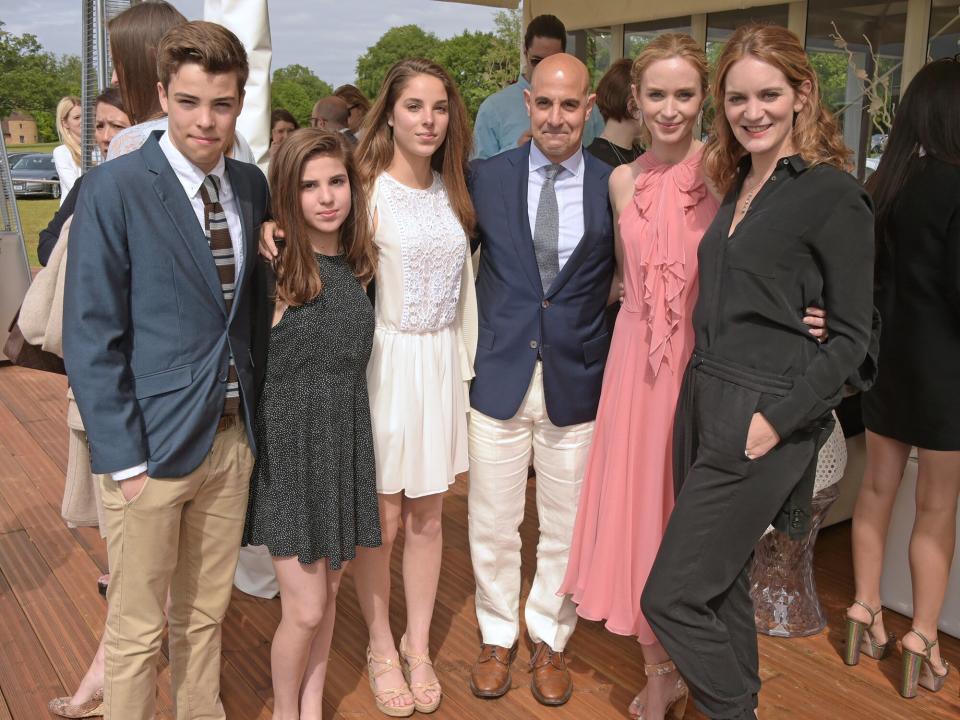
{"x":500,"y":453}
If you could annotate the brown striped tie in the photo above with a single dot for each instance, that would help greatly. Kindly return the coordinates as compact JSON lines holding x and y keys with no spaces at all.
{"x":217,"y":230}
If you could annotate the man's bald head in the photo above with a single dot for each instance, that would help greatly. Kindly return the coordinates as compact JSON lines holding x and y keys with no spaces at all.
{"x":559,"y":103}
{"x":330,"y":113}
{"x":565,"y":67}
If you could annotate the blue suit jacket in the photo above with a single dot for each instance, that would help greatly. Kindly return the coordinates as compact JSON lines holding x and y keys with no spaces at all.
{"x":518,"y":322}
{"x":146,"y":335}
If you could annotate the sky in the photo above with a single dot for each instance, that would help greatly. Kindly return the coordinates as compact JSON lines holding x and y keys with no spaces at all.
{"x":325,"y":35}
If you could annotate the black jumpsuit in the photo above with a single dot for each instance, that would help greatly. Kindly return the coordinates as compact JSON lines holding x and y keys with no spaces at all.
{"x":807,"y":240}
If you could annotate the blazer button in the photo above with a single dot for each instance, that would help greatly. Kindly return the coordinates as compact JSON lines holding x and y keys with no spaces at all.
{"x":533,"y":344}
{"x":545,"y":304}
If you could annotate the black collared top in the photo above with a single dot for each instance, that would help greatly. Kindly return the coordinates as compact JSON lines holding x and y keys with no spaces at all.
{"x":806,"y":240}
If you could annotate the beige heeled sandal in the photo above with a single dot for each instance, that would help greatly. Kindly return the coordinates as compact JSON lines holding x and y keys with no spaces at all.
{"x":860,"y":639}
{"x":676,"y":705}
{"x":382,"y":697}
{"x":409,"y":663}
{"x":917,"y":669}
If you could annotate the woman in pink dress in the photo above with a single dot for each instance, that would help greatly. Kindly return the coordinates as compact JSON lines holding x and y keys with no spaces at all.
{"x":663,"y":207}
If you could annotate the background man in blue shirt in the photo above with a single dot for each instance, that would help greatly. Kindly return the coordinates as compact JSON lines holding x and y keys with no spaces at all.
{"x":502,"y":120}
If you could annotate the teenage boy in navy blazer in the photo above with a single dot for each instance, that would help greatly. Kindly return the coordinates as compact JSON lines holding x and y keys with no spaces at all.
{"x":157,"y":347}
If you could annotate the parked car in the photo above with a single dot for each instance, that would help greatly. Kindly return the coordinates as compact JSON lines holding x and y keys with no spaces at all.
{"x":14,"y":156}
{"x":35,"y":174}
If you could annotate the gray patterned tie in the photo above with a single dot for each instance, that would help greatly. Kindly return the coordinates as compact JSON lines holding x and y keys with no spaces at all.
{"x":546,"y":232}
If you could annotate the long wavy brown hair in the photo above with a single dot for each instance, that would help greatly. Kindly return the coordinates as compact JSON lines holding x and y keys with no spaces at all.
{"x":664,"y":47}
{"x":376,"y":148}
{"x":135,"y":35}
{"x":298,"y":278}
{"x":816,"y":134}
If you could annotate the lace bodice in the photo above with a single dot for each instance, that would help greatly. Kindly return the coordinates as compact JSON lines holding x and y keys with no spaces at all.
{"x":422,"y":251}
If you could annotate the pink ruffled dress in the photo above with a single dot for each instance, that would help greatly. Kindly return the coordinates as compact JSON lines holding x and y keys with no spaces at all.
{"x":627,"y":492}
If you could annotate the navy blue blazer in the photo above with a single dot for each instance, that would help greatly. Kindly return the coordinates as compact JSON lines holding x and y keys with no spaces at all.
{"x":146,"y":335}
{"x":518,"y":322}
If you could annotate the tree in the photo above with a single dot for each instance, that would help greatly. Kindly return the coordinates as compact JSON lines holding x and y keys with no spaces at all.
{"x":297,"y":89}
{"x":399,"y":43}
{"x":465,"y":57}
{"x":502,"y":61}
{"x":33,"y":81}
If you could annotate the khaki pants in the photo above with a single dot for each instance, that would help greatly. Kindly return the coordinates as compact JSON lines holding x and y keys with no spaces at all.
{"x":182,"y":534}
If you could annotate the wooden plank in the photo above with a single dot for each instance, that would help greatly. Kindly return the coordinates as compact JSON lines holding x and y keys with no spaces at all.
{"x":8,"y":521}
{"x":66,"y":639}
{"x":27,"y":677}
{"x":804,"y":678}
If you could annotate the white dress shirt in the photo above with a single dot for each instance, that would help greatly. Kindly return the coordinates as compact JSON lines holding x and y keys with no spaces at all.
{"x":569,"y":188}
{"x":191,"y":178}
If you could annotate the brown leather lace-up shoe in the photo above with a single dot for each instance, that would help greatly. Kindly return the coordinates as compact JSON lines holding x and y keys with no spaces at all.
{"x":550,"y":680}
{"x":490,"y":676}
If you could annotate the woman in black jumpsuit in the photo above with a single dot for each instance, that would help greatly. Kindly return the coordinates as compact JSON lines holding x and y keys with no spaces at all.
{"x":794,"y":230}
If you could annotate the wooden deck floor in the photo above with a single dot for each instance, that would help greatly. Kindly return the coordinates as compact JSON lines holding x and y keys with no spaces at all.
{"x":51,"y":614}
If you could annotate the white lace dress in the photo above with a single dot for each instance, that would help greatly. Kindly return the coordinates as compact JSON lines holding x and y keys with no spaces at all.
{"x":415,"y":375}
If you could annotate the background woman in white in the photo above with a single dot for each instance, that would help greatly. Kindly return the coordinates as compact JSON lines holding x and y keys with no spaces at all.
{"x":66,"y":157}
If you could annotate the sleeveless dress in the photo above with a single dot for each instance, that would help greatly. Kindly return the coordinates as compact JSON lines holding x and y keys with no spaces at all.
{"x":627,"y":493}
{"x":313,"y":489}
{"x":416,"y":376}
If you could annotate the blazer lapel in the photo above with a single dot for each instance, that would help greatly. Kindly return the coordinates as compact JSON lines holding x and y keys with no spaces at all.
{"x":243,"y":198}
{"x":514,"y":189}
{"x":595,"y":203}
{"x":183,"y":218}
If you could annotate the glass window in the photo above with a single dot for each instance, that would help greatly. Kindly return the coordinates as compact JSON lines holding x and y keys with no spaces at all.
{"x":856,"y":48}
{"x":944,"y":29}
{"x":721,"y":25}
{"x":594,"y":47}
{"x":637,"y":35}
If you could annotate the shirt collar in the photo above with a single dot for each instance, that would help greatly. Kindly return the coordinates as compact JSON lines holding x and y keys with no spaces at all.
{"x":574,"y":163}
{"x":523,"y":83}
{"x":794,"y":162}
{"x":190,"y":176}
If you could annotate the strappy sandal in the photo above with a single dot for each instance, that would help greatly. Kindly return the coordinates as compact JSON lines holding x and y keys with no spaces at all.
{"x":409,"y":663}
{"x":918,"y":669}
{"x":383,"y":697}
{"x":860,"y":639}
{"x":676,"y":705}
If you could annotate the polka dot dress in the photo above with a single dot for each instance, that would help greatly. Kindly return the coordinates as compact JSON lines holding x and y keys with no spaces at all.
{"x":313,"y":491}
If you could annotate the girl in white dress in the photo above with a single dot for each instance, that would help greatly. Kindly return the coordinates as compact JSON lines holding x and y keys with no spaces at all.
{"x":413,"y":155}
{"x":413,"y":159}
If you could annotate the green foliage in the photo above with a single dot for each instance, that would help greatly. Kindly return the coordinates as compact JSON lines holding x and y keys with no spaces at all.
{"x":399,"y":43}
{"x":502,"y":61}
{"x":465,"y":57}
{"x":481,"y":63}
{"x":296,"y":89}
{"x":33,"y":81}
{"x":832,"y":72}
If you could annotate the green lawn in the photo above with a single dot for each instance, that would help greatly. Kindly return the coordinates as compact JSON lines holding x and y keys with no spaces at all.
{"x":39,"y":147}
{"x":35,"y":214}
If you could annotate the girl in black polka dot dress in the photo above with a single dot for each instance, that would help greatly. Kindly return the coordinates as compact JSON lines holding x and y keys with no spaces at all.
{"x":313,"y":497}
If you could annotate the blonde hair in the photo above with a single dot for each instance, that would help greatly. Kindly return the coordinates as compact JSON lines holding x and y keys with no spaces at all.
{"x":816,"y":135}
{"x":64,"y":108}
{"x":375,"y":151}
{"x":664,"y":47}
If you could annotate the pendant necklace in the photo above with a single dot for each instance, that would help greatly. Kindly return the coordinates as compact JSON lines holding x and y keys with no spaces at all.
{"x":616,"y":151}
